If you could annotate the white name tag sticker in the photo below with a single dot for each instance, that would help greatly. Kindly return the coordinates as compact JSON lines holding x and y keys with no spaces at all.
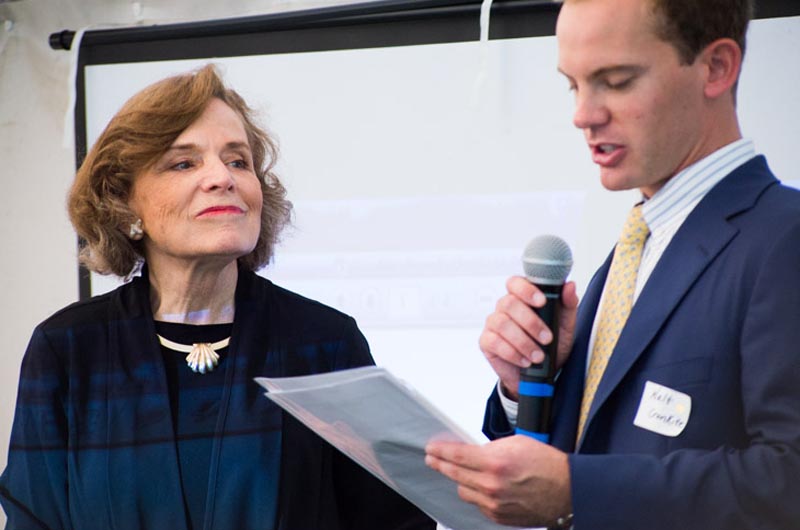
{"x":663,"y":410}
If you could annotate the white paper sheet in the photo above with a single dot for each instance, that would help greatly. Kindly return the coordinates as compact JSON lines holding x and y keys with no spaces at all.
{"x":384,"y":425}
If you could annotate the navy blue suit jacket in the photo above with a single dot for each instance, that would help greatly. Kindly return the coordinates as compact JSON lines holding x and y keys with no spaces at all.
{"x":93,"y":443}
{"x":719,"y":320}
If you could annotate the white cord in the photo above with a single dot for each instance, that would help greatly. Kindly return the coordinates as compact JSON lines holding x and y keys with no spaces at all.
{"x":483,"y":61}
{"x":486,"y":10}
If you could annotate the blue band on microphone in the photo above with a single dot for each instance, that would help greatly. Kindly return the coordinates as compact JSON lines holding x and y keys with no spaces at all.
{"x":535,"y":389}
{"x":540,"y":436}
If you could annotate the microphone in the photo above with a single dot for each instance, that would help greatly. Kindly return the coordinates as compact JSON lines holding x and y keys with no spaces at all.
{"x":547,"y":261}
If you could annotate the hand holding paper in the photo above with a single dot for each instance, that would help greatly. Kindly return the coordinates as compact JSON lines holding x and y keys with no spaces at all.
{"x":508,"y":479}
{"x":384,"y":425}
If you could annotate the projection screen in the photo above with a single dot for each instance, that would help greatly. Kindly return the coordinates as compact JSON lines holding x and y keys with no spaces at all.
{"x":420,"y":161}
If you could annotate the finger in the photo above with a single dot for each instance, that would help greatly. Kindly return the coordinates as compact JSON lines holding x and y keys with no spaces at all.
{"x":493,"y":345}
{"x":444,"y":467}
{"x":487,"y":505}
{"x":469,"y":456}
{"x":491,"y":502}
{"x":454,"y":472}
{"x":569,"y":302}
{"x":569,"y":296}
{"x":526,"y":291}
{"x":525,"y":318}
{"x":492,"y":508}
{"x":463,"y":476}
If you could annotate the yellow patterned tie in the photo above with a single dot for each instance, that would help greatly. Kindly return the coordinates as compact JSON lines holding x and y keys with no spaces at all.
{"x":617,"y":303}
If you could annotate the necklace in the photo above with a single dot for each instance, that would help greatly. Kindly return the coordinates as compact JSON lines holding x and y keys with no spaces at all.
{"x":203,"y":356}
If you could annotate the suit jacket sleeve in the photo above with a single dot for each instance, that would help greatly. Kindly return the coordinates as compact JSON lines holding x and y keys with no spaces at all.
{"x":495,"y":421}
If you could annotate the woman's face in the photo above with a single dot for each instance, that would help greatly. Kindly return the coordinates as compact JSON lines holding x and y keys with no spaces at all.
{"x":201,"y":202}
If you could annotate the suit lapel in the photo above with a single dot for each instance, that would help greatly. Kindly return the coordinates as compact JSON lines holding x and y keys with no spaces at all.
{"x":704,"y":234}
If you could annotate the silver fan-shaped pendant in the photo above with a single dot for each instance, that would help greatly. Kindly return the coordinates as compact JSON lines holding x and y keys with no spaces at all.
{"x":202,"y":358}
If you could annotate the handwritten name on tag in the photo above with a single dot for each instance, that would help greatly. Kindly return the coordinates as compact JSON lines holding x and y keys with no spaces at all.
{"x":663,"y":410}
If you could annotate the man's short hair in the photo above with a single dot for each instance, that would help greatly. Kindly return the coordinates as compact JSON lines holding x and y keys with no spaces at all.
{"x":691,"y":25}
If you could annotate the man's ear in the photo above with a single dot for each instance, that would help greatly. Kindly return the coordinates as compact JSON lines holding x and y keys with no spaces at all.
{"x":723,"y":61}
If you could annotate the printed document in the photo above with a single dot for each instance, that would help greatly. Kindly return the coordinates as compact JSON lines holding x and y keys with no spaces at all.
{"x":383,"y":424}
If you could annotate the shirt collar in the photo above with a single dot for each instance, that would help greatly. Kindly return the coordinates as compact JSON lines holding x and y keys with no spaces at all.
{"x":682,"y":192}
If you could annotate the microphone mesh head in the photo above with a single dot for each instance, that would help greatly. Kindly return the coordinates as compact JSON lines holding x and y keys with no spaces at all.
{"x":547,"y":260}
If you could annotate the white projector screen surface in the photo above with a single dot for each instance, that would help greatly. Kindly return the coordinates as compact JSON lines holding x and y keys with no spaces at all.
{"x":419,"y":173}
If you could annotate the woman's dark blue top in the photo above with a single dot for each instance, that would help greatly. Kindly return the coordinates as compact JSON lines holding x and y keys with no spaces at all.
{"x":101,"y":441}
{"x":194,"y":399}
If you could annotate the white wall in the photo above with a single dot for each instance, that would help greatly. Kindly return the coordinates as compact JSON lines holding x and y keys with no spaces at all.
{"x":38,"y":244}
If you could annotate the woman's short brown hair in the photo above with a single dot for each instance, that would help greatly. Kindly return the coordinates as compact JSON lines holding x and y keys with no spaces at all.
{"x":135,"y":138}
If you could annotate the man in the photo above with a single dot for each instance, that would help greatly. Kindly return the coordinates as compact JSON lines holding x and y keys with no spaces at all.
{"x":688,"y":417}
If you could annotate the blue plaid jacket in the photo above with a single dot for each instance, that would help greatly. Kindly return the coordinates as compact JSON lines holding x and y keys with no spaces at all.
{"x":93,"y":444}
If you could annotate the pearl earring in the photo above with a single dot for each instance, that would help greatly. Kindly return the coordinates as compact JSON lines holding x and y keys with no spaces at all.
{"x":135,"y":232}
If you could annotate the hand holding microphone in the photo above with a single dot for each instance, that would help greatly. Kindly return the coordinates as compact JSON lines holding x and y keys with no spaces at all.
{"x":547,"y":261}
{"x":522,"y":334}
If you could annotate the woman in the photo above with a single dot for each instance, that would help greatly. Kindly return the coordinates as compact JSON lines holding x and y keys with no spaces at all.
{"x":116,"y":427}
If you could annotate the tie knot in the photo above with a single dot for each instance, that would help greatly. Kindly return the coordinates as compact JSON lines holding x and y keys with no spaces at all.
{"x":635,"y":230}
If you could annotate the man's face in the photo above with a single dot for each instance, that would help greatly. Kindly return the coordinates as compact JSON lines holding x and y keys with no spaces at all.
{"x":640,"y":109}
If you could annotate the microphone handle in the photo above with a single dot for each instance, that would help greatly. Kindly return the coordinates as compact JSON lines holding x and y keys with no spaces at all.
{"x":536,"y":381}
